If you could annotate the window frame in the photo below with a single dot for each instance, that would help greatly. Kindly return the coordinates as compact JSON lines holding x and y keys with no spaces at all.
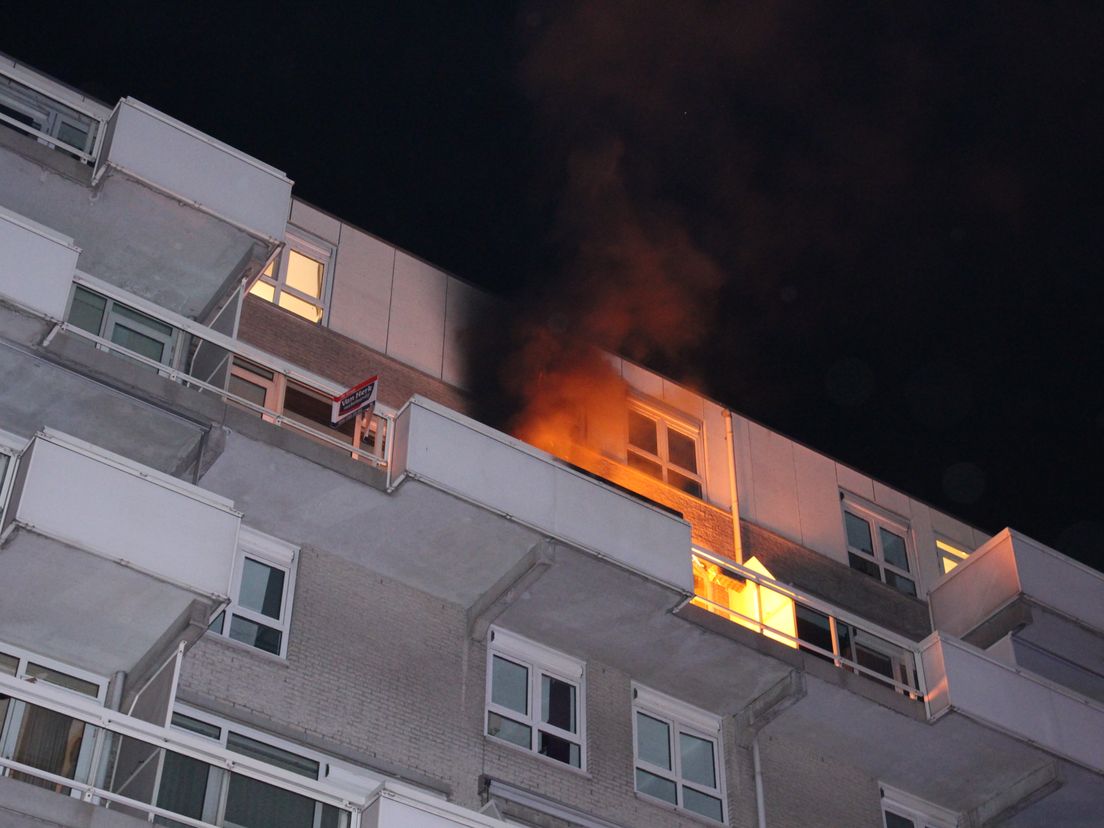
{"x":312,"y":248}
{"x":271,"y":552}
{"x":680,"y":718}
{"x":539,"y":661}
{"x":948,"y":552}
{"x":665,"y":423}
{"x":922,"y":814}
{"x":26,"y":658}
{"x":109,"y":320}
{"x":11,"y":448}
{"x":876,"y":519}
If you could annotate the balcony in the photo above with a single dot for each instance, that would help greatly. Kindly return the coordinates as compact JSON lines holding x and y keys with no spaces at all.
{"x":86,"y":529}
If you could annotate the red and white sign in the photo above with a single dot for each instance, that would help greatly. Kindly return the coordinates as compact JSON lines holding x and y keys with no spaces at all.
{"x":359,"y":397}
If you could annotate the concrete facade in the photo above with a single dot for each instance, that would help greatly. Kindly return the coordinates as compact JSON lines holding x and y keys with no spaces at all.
{"x":222,"y":609}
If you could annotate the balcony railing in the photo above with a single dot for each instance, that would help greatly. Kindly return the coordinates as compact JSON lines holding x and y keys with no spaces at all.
{"x":63,"y":742}
{"x":804,"y":622}
{"x":199,"y":357}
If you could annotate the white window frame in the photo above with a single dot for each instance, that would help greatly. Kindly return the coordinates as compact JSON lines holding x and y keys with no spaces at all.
{"x":922,"y":814}
{"x":313,"y":249}
{"x":539,"y":661}
{"x":28,"y":657}
{"x":110,"y":319}
{"x":679,"y":718}
{"x":664,"y":423}
{"x":11,"y":447}
{"x":950,"y":554}
{"x":277,"y":554}
{"x":879,"y":518}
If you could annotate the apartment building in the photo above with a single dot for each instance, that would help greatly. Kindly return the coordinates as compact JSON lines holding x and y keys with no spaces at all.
{"x":221,"y":608}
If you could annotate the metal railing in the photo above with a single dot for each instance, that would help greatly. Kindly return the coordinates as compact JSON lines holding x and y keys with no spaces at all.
{"x":200,"y":335}
{"x":100,"y":777}
{"x":845,"y":640}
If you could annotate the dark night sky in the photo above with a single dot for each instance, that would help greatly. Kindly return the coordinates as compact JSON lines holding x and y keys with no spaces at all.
{"x":891,"y":211}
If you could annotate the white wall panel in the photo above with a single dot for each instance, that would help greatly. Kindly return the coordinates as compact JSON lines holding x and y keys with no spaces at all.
{"x":891,"y":499}
{"x":184,"y":161}
{"x":360,"y":303}
{"x":927,"y":558}
{"x":36,"y":265}
{"x":775,"y":484}
{"x":855,"y":482}
{"x":463,"y":306}
{"x":642,"y":380}
{"x":717,"y":455}
{"x":819,"y":503}
{"x":167,"y":528}
{"x":683,"y":399}
{"x":416,"y":333}
{"x":315,"y":221}
{"x":745,"y":477}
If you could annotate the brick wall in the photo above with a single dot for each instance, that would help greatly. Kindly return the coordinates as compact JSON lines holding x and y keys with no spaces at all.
{"x":337,"y":357}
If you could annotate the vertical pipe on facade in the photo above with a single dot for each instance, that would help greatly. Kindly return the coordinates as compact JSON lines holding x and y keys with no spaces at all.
{"x":760,"y":807}
{"x":733,"y":492}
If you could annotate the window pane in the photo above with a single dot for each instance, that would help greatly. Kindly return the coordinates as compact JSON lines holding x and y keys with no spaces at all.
{"x":874,"y":661}
{"x":138,"y":342}
{"x":509,"y":730}
{"x":299,"y":307}
{"x":73,"y":135}
{"x":814,"y":627}
{"x":262,"y":588}
{"x":243,"y":388}
{"x":87,"y":311}
{"x":702,"y":804}
{"x":680,"y":481}
{"x":263,"y":289}
{"x":642,"y":432}
{"x":510,"y":685}
{"x":559,"y":749}
{"x":217,"y":622}
{"x":858,"y":533}
{"x":183,"y":785}
{"x":254,"y":804}
{"x":558,"y":703}
{"x":304,"y":274}
{"x":60,"y":679}
{"x":8,"y":664}
{"x":900,"y":583}
{"x":682,"y":451}
{"x":893,"y":549}
{"x":272,"y":755}
{"x":697,"y":760}
{"x":892,"y":820}
{"x":140,"y":320}
{"x":657,"y":786}
{"x":642,"y":464}
{"x":196,"y":726}
{"x":653,"y":741}
{"x":255,"y":635}
{"x":863,"y":565}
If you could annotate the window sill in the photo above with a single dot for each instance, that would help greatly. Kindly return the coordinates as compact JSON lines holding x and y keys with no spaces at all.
{"x":544,"y":760}
{"x":261,"y":655}
{"x":675,"y":809}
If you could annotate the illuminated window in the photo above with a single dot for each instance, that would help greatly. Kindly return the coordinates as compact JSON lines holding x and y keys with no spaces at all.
{"x":678,"y":754}
{"x":878,"y":546}
{"x":901,"y":810}
{"x":949,"y":556}
{"x":296,"y":281}
{"x":264,"y":575}
{"x":665,"y":450}
{"x":535,"y":698}
{"x":126,"y":327}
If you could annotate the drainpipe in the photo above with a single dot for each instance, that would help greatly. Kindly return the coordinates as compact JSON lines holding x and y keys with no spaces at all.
{"x":737,"y":543}
{"x":760,"y":808}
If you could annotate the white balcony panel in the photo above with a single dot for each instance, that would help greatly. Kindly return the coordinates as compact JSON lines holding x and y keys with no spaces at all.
{"x":1008,"y":565}
{"x":503,"y":474}
{"x":177,"y":158}
{"x":396,"y":810}
{"x":106,"y":504}
{"x":963,"y":678}
{"x":36,"y":268}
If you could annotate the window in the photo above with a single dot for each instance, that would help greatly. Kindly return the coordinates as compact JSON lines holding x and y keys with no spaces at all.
{"x":678,"y":754}
{"x":44,"y":117}
{"x":664,"y":450}
{"x":949,"y":556}
{"x":194,"y":788}
{"x":264,"y":577}
{"x":535,"y":698}
{"x":878,"y":546}
{"x":902,"y":810}
{"x":296,"y":281}
{"x":106,"y":318}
